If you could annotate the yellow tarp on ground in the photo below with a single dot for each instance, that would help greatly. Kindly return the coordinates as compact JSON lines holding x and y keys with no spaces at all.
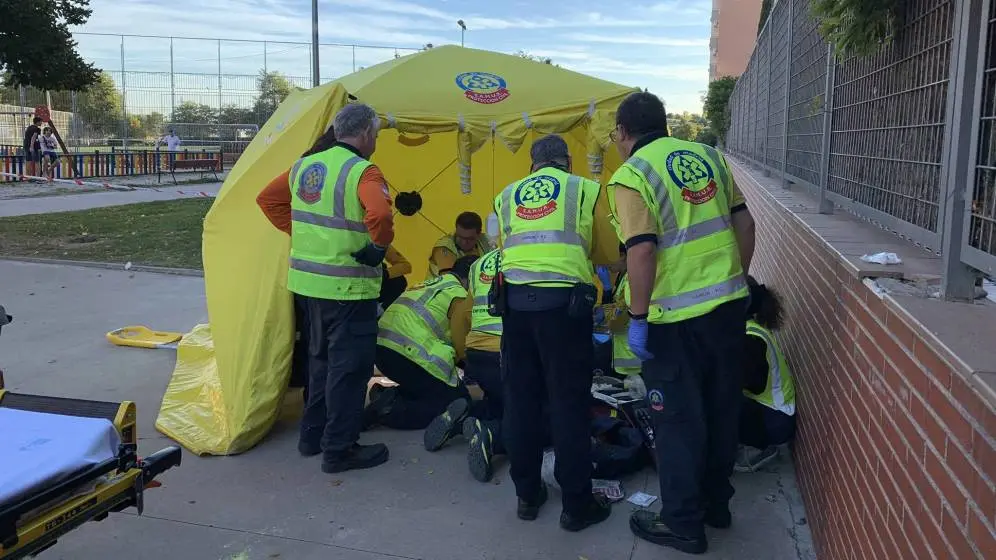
{"x":453,"y":121}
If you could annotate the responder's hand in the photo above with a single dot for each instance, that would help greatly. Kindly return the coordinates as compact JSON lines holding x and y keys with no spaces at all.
{"x":370,"y":255}
{"x":603,"y":276}
{"x":599,"y":315}
{"x":637,"y":338}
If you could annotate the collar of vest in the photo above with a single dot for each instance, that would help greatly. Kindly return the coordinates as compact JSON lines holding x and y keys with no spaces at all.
{"x":646,"y":140}
{"x":349,"y":147}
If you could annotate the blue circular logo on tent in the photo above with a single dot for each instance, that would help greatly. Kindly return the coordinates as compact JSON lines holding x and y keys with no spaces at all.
{"x":483,"y":87}
{"x":536,"y":197}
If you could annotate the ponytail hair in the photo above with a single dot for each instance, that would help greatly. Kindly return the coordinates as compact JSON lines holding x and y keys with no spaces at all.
{"x":765,"y":305}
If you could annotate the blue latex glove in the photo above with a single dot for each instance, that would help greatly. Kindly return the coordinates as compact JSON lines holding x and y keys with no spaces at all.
{"x":370,"y":255}
{"x":637,"y":339}
{"x":603,"y":275}
{"x":599,"y":316}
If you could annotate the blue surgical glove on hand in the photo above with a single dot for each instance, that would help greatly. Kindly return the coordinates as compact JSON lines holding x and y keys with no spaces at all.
{"x":599,"y":316}
{"x":603,"y":276}
{"x":637,"y":339}
{"x":370,"y":255}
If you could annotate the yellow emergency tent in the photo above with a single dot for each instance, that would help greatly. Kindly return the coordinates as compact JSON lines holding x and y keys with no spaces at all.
{"x":453,"y":122}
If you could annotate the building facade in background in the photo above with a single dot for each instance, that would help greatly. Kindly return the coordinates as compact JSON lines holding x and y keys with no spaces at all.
{"x":734,"y":32}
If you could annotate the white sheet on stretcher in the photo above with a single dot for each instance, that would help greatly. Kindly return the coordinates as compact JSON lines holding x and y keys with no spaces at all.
{"x":38,"y":450}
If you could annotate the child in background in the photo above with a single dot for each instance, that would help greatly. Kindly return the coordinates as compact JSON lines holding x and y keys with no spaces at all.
{"x":50,"y":153}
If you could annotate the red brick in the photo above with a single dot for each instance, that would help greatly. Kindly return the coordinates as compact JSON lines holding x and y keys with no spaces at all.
{"x":936,"y":434}
{"x":965,"y":395}
{"x":958,"y":426}
{"x":984,"y":455}
{"x":907,"y":427}
{"x":900,"y":330}
{"x":959,"y":541}
{"x":872,"y":354}
{"x":962,"y":467}
{"x":945,"y":484}
{"x":875,"y":305}
{"x":931,"y":534}
{"x":930,"y":361}
{"x":984,"y":495}
{"x":981,"y":535}
{"x":894,"y":440}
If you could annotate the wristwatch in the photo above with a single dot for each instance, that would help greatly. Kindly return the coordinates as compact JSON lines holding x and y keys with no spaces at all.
{"x":637,"y":316}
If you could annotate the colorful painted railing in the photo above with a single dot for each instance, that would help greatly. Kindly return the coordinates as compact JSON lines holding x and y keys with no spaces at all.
{"x":110,"y":163}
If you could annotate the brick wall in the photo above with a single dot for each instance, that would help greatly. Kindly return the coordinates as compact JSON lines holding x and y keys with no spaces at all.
{"x":895,"y":451}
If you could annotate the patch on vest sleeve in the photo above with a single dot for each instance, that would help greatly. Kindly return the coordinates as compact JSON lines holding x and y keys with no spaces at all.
{"x":693,"y":175}
{"x":311,"y":183}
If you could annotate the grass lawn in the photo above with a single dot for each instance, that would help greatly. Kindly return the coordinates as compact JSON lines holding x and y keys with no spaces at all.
{"x":162,"y":233}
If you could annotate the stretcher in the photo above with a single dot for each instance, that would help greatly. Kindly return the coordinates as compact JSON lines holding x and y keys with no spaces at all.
{"x":79,"y":464}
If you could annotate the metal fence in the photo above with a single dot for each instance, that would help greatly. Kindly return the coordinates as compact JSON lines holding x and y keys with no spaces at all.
{"x":904,"y":138}
{"x":229,"y":87}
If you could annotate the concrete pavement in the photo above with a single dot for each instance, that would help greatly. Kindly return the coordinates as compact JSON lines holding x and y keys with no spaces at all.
{"x":65,"y":203}
{"x":271,"y":503}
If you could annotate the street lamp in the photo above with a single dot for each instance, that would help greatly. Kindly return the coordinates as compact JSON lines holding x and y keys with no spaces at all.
{"x":314,"y":44}
{"x":463,"y":29}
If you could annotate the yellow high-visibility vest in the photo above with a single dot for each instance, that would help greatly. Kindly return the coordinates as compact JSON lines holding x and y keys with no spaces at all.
{"x":779,"y":394}
{"x":447,"y":242}
{"x":687,"y":186}
{"x":327,"y":227}
{"x":481,"y":273}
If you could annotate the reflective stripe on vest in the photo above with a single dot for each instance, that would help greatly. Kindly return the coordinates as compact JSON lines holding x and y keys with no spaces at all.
{"x":358,"y":271}
{"x":418,"y":307}
{"x":480,"y":284}
{"x":774,"y":394}
{"x":688,"y":299}
{"x":402,"y":340}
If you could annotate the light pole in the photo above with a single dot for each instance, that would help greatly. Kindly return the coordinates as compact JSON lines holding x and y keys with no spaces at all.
{"x":463,"y":29}
{"x":315,"y":79}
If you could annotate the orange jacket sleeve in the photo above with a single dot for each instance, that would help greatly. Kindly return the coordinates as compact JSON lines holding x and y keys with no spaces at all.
{"x":275,"y":202}
{"x":376,"y":201}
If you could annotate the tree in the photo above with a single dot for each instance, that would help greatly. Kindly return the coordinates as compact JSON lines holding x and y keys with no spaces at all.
{"x":273,"y":88}
{"x":99,"y":108}
{"x":765,"y":12}
{"x":686,"y":126}
{"x":36,"y":47}
{"x":195,"y":113}
{"x":858,"y":27}
{"x":716,"y":103}
{"x":233,"y":114}
{"x":146,"y":126}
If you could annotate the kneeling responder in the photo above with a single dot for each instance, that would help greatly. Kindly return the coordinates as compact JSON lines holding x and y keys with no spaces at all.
{"x":767,"y":416}
{"x":689,"y":239}
{"x":467,"y":239}
{"x":421,"y":339}
{"x":480,"y":421}
{"x":547,"y":223}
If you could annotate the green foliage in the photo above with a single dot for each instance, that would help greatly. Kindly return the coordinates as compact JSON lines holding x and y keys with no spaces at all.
{"x":194,"y":113}
{"x":858,"y":27}
{"x":536,"y":58}
{"x":36,"y":47}
{"x":765,"y":12}
{"x":686,"y":126}
{"x":99,"y":106}
{"x":147,"y":127}
{"x":716,"y":105}
{"x":273,"y":88}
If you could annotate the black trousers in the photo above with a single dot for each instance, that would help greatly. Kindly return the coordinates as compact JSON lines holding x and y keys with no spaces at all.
{"x":420,"y":396}
{"x":694,"y":392}
{"x":761,"y":426}
{"x":299,"y":358}
{"x":547,"y":359}
{"x":484,"y":368}
{"x":342,"y":339}
{"x":391,"y":289}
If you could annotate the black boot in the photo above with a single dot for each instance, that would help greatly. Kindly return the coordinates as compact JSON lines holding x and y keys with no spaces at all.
{"x":528,"y":510}
{"x":446,"y":425}
{"x":718,"y":517}
{"x":595,"y":512}
{"x":648,"y":526}
{"x":356,"y":457}
{"x":380,"y":405}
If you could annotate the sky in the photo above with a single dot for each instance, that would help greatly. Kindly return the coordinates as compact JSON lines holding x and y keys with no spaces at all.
{"x":659,"y":45}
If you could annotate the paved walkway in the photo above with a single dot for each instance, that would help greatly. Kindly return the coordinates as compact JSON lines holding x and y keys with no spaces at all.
{"x":64,"y":203}
{"x":270,"y":503}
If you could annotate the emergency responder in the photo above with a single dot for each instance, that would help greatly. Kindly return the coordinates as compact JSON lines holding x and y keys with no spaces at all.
{"x":467,"y":239}
{"x":341,"y":225}
{"x":689,"y":239}
{"x":546,"y":223}
{"x":421,"y":339}
{"x":480,"y":422}
{"x":767,"y":415}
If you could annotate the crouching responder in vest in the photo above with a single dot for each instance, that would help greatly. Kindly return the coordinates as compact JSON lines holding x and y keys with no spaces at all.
{"x":689,"y":239}
{"x":468,"y":239}
{"x":767,"y":415}
{"x":547,"y":227}
{"x":421,"y":339}
{"x":480,"y":421}
{"x":339,"y":201}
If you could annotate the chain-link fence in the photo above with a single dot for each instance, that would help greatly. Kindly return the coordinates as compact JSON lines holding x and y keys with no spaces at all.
{"x":882,"y":136}
{"x":213,"y":92}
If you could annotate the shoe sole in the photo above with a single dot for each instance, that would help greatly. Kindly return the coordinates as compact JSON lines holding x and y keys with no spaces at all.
{"x":754,"y":467}
{"x":440,"y":430}
{"x":309,"y":452}
{"x":375,"y":462}
{"x":682,"y":545}
{"x":478,"y":459}
{"x":586,"y":523}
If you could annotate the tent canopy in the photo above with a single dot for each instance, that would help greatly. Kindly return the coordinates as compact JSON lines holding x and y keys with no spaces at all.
{"x":453,"y":120}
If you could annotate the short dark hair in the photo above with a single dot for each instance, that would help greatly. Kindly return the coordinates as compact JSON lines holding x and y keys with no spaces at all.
{"x":470,"y":220}
{"x":642,"y":113}
{"x":37,"y":120}
{"x":461,"y":268}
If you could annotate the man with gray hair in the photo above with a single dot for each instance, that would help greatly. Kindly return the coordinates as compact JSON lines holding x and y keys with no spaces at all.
{"x":341,"y":226}
{"x":545,"y":293}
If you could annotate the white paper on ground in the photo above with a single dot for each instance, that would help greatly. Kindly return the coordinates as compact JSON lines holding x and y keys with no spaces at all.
{"x":39,"y":449}
{"x":641,"y":499}
{"x":882,"y":258}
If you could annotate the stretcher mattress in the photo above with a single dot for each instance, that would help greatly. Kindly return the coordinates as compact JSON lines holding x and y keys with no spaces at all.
{"x":38,"y":450}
